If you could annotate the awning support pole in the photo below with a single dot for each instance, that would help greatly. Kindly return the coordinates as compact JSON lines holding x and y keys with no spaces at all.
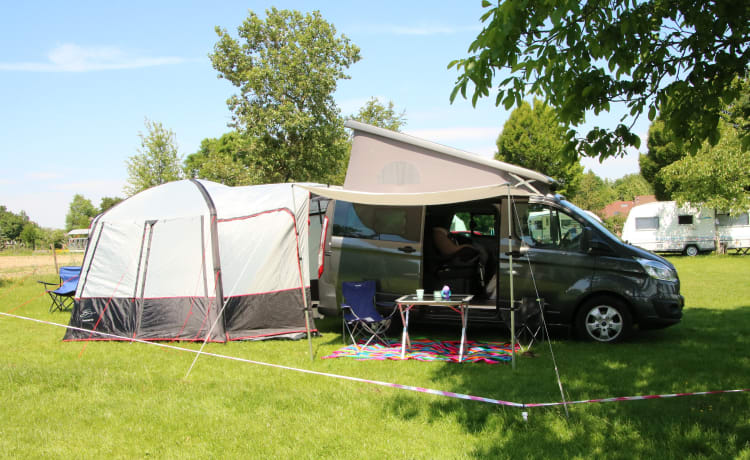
{"x":510,"y":276}
{"x":306,"y":306}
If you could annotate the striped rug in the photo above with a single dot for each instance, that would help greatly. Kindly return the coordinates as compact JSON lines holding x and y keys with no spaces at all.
{"x":430,"y":350}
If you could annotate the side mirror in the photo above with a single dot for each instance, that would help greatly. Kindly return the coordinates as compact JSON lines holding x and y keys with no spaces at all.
{"x":586,"y":239}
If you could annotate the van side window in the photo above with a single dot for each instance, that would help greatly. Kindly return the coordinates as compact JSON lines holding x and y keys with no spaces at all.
{"x":545,"y":227}
{"x":647,"y":223}
{"x":386,"y":223}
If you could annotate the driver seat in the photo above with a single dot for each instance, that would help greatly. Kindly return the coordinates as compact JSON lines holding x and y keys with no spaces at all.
{"x":459,"y":265}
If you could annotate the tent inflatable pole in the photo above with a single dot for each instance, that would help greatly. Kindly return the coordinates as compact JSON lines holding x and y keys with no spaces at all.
{"x":510,"y":276}
{"x":301,"y":278}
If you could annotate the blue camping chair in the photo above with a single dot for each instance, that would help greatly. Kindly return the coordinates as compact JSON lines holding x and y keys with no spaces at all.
{"x":62,"y":294}
{"x":361,"y":319}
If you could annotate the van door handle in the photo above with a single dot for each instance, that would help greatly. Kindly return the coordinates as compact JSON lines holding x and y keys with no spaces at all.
{"x":407,"y":249}
{"x":328,"y":253}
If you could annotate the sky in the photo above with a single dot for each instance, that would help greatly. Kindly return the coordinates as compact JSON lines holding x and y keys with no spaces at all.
{"x":78,"y":80}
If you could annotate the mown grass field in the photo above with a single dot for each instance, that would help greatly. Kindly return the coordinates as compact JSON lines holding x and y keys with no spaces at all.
{"x":130,"y":400}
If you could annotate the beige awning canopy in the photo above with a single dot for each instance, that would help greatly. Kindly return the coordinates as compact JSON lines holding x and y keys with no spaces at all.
{"x":390,"y":168}
{"x":389,"y":162}
{"x":412,"y":199}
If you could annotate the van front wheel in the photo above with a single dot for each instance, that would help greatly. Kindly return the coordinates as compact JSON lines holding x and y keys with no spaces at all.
{"x":604,"y":319}
{"x":691,"y":251}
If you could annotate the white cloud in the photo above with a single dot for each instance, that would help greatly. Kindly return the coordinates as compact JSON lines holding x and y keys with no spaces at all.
{"x":70,"y":57}
{"x":43,"y":175}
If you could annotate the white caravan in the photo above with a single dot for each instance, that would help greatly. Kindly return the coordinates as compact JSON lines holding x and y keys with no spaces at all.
{"x":662,"y":226}
{"x":734,"y":231}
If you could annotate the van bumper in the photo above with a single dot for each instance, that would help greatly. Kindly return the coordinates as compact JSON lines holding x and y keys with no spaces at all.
{"x":659,"y":312}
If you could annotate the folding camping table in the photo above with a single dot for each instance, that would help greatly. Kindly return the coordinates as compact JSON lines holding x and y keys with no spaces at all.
{"x":457,"y":302}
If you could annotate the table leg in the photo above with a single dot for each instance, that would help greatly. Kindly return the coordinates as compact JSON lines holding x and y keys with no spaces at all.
{"x":405,"y":335}
{"x":463,"y":333}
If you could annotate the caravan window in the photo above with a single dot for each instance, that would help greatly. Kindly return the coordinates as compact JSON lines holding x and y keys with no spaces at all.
{"x":725,"y":220}
{"x":647,"y":223}
{"x":685,"y":220}
{"x":388,"y":223}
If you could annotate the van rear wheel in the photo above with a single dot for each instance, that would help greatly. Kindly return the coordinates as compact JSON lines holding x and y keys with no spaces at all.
{"x":604,"y":319}
{"x":691,"y":251}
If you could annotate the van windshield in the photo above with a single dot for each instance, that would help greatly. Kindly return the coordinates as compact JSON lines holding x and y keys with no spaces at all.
{"x":590,"y":220}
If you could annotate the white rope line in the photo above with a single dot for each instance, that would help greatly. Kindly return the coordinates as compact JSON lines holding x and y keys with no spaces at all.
{"x":541,"y":311}
{"x":279,"y":366}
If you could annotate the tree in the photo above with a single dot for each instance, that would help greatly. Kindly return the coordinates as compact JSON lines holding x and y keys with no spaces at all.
{"x":80,"y":213}
{"x":663,"y":150}
{"x":107,"y":202}
{"x":11,"y":224}
{"x":676,"y":57}
{"x":286,"y":68}
{"x":157,"y":161}
{"x":30,"y":234}
{"x":376,"y":114}
{"x":716,"y":176}
{"x":227,"y":160}
{"x":594,"y":193}
{"x":534,"y":139}
{"x":630,"y":186}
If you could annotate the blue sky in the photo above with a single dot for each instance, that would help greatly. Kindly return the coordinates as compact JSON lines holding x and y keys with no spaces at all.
{"x":78,"y":79}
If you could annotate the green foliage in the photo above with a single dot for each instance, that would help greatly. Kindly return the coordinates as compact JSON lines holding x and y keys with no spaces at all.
{"x":107,"y":202}
{"x":615,"y":223}
{"x":80,"y":213}
{"x":716,"y":176}
{"x":54,"y":237}
{"x":534,"y":139}
{"x":11,"y":224}
{"x":286,"y":68}
{"x":376,"y":114}
{"x":594,"y":193}
{"x":227,"y":160}
{"x":30,"y":234}
{"x":157,"y":161}
{"x":663,"y":150}
{"x":630,"y":186}
{"x":679,"y":58}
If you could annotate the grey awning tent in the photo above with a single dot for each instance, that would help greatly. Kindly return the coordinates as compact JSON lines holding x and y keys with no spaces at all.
{"x":390,"y":168}
{"x":197,"y":260}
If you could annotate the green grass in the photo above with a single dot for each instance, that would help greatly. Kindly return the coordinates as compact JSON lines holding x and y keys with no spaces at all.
{"x":129,"y":400}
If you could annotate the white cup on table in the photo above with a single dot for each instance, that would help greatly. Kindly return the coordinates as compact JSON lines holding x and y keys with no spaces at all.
{"x":420,"y":294}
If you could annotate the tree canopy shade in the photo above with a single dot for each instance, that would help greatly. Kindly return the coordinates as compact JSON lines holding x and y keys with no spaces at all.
{"x":286,"y":68}
{"x":157,"y":161}
{"x":376,"y":114}
{"x":676,"y":57}
{"x":534,"y":139}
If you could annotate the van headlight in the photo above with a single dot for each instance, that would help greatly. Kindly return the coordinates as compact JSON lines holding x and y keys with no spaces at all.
{"x":657,"y":270}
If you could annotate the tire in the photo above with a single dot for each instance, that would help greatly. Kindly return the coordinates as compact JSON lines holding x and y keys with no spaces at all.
{"x":691,"y":251}
{"x":604,"y":319}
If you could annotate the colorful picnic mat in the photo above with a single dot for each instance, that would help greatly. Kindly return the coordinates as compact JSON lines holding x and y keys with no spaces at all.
{"x":430,"y":350}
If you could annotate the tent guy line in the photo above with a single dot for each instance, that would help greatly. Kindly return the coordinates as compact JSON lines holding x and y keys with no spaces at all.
{"x":448,"y":394}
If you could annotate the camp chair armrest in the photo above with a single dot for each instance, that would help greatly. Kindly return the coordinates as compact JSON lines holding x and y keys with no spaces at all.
{"x":45,"y":283}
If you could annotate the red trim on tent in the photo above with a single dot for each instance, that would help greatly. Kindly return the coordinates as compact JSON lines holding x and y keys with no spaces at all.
{"x":230,"y":219}
{"x":271,"y":335}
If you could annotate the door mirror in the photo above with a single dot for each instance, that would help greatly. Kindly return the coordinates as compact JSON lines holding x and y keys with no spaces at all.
{"x":586,"y":241}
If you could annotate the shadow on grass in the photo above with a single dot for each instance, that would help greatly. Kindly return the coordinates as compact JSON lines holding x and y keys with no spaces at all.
{"x":707,"y":351}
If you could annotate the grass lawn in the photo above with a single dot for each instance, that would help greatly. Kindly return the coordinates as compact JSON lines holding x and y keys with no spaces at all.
{"x":130,"y":400}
